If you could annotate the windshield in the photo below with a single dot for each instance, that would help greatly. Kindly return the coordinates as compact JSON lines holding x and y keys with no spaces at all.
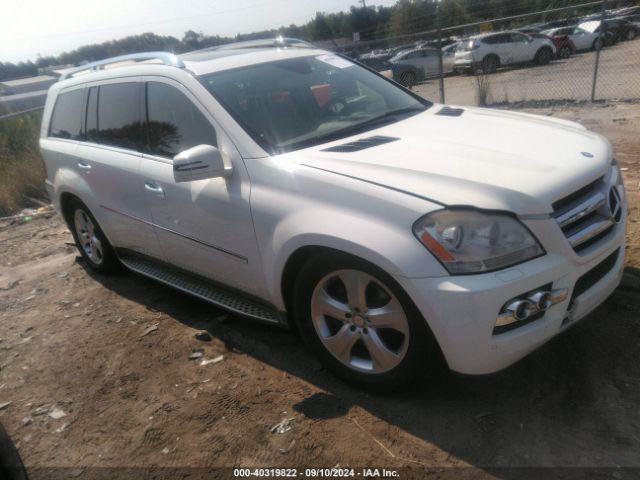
{"x":295,"y":103}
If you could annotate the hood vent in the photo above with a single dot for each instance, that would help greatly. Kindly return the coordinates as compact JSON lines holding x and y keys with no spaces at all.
{"x":450,"y":112}
{"x":361,"y":144}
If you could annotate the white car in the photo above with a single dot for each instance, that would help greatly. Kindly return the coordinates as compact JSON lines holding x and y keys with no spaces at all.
{"x":581,"y":38}
{"x":289,"y":185}
{"x":490,"y":51}
{"x":417,"y":64}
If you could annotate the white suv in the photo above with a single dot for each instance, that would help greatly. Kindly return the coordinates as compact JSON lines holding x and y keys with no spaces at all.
{"x":490,"y":51}
{"x":288,"y":184}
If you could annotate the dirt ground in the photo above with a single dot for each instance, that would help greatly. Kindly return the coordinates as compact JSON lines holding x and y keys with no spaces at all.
{"x":97,"y":372}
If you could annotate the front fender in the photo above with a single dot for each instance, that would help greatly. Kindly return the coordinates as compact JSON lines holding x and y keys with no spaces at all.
{"x":394,"y":250}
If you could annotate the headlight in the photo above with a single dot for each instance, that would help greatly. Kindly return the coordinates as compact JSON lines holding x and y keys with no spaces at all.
{"x":471,"y":241}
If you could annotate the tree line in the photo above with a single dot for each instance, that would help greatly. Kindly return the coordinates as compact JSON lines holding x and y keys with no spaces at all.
{"x":405,"y":17}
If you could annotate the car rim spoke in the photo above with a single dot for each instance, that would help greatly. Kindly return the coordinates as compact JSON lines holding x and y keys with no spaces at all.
{"x":355,"y":283}
{"x":332,"y":307}
{"x":381,"y":357}
{"x":342,"y":342}
{"x":389,"y":316}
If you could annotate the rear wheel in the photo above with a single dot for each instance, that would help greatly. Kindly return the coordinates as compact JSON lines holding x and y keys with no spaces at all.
{"x":408,"y":79}
{"x":543,"y":56}
{"x":490,"y":64}
{"x":90,"y":240}
{"x":361,"y":324}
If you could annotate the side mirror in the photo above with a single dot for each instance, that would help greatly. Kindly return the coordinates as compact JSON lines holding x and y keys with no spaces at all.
{"x":199,"y":163}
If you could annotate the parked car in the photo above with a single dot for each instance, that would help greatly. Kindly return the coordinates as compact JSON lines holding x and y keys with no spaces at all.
{"x":613,"y":31}
{"x":412,"y":66}
{"x":564,"y":46}
{"x":378,"y":63}
{"x":490,"y":51}
{"x":288,"y":184}
{"x":634,"y":19}
{"x":581,"y":38}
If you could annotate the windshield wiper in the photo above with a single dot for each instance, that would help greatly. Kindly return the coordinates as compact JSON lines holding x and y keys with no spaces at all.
{"x":384,"y":119}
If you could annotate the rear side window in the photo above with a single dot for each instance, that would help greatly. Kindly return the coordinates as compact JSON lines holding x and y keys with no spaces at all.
{"x":174,"y":123}
{"x":67,"y":115}
{"x":119,"y":118}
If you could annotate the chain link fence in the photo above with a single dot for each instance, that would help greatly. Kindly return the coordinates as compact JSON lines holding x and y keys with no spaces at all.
{"x":585,"y":52}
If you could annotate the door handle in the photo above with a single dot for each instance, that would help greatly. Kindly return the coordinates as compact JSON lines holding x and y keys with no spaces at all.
{"x":153,"y":187}
{"x":84,"y":166}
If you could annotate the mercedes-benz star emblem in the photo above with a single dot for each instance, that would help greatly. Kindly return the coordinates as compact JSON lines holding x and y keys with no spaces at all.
{"x":615,"y":204}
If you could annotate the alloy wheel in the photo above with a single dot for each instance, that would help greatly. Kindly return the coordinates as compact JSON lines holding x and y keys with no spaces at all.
{"x":86,"y":232}
{"x":360,"y":321}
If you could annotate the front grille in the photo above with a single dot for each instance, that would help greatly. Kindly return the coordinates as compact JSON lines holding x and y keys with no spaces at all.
{"x":584,"y":215}
{"x":593,"y":276}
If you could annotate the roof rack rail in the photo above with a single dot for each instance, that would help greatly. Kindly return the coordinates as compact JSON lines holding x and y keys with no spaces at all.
{"x":166,"y":58}
{"x":261,"y":43}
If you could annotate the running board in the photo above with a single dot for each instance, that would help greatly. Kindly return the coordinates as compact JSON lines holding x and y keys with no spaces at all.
{"x":204,"y":290}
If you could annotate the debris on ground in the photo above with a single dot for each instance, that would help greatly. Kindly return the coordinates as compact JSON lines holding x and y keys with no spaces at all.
{"x":26,"y":421}
{"x":203,"y":336}
{"x":56,"y":413}
{"x":196,"y":354}
{"x":4,"y":405}
{"x":62,"y":428}
{"x":207,"y":361}
{"x":149,"y":330}
{"x":283,"y":426}
{"x":288,"y":449}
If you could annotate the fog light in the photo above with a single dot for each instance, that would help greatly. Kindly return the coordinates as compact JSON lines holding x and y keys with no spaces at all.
{"x":542,"y":300}
{"x":528,"y":306}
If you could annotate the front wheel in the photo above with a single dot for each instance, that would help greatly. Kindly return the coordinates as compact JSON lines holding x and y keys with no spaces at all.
{"x":565,"y":52}
{"x":361,"y":324}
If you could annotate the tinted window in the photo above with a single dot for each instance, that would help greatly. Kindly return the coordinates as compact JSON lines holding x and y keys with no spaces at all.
{"x":119,"y":121}
{"x":67,"y":114}
{"x":174,"y":123}
{"x":91,"y":119}
{"x":518,"y":37}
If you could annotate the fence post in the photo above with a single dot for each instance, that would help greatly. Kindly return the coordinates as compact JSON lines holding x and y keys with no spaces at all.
{"x":440,"y":65}
{"x":600,"y":44}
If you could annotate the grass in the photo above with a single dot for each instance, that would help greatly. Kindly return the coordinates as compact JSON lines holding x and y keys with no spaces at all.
{"x":22,"y":171}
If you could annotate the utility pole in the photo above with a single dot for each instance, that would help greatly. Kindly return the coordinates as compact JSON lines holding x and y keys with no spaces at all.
{"x":363,"y":2}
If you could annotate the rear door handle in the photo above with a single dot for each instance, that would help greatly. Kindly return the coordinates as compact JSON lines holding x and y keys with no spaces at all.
{"x":84,"y":166}
{"x":152,"y":186}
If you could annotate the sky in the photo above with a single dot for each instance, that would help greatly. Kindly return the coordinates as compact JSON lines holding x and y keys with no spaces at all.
{"x":45,"y":27}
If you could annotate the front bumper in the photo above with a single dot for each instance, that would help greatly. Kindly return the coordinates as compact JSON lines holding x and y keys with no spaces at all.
{"x":462,"y":310}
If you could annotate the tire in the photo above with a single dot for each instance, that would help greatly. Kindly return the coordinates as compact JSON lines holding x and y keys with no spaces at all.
{"x":490,"y":64}
{"x":92,"y":243}
{"x":11,"y":467}
{"x":371,"y":351}
{"x":630,"y":35}
{"x":407,"y":79}
{"x":597,"y":44}
{"x":565,"y":52}
{"x":543,"y":56}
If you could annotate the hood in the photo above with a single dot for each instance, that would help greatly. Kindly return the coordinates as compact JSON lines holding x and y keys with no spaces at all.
{"x":489,"y":159}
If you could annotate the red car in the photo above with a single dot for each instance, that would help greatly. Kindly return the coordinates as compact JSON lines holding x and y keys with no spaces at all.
{"x":564,"y":46}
